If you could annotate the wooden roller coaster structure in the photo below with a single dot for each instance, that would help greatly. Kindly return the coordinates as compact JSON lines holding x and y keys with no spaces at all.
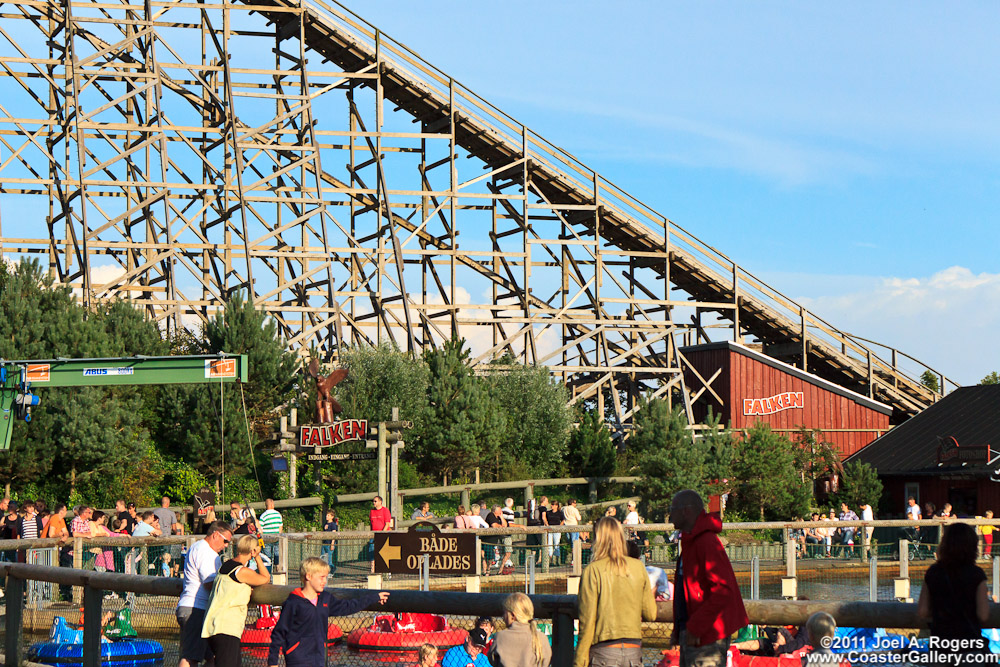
{"x":175,"y":152}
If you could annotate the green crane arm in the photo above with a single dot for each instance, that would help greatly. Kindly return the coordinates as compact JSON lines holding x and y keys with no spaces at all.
{"x":19,"y":378}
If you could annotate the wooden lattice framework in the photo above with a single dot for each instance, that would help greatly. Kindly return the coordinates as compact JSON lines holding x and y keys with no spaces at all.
{"x":171,"y":152}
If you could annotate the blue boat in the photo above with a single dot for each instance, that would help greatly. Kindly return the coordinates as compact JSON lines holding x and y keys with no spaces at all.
{"x":65,"y":645}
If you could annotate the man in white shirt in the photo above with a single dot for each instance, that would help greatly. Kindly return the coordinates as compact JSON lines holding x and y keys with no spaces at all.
{"x":912,"y":509}
{"x":632,"y":517}
{"x":867,"y":515}
{"x":200,"y":567}
{"x":571,"y":516}
{"x":475,"y":520}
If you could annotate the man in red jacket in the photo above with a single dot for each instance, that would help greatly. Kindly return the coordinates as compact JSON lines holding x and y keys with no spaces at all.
{"x":708,"y":607}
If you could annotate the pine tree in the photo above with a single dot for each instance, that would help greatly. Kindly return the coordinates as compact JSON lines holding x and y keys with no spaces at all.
{"x":765,"y":475}
{"x":76,"y":434}
{"x":242,"y":329}
{"x":537,"y":419}
{"x":453,"y":429}
{"x":860,"y":485}
{"x":590,"y":452}
{"x":671,"y":458}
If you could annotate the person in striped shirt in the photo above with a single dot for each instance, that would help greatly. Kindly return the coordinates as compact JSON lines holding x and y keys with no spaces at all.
{"x":271,"y":523}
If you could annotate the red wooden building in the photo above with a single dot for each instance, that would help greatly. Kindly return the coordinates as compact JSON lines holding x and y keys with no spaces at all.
{"x":747,"y":387}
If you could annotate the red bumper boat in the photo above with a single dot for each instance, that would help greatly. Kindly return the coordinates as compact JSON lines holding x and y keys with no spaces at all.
{"x":405,"y":633}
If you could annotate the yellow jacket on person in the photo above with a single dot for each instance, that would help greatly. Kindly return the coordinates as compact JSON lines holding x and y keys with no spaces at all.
{"x":612,"y":606}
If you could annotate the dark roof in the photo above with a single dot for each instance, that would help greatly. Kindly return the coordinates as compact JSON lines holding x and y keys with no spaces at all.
{"x":970,"y":415}
{"x":826,"y":385}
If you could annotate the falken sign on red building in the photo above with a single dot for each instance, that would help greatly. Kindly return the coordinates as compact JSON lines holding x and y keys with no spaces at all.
{"x":328,"y":435}
{"x":743,"y":386}
{"x":768,"y":406}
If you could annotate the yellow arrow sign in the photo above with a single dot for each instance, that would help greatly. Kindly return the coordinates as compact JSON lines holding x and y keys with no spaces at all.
{"x":389,"y":552}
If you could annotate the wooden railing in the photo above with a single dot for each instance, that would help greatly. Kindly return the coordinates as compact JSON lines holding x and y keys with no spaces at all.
{"x":562,"y":609}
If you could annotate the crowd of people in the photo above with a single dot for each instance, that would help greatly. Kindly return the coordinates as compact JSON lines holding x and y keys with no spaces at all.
{"x":823,"y":541}
{"x":931,"y":535}
{"x":30,"y":519}
{"x":498,"y":552}
{"x":617,"y":592}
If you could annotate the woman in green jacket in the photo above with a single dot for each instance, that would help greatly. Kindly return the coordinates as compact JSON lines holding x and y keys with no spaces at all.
{"x":227,"y":609}
{"x":615,"y":597}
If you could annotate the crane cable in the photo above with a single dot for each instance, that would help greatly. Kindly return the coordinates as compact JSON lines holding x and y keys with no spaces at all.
{"x":246,"y":422}
{"x":222,"y":436}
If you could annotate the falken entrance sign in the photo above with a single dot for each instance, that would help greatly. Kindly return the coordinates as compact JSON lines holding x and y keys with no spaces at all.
{"x":334,"y":433}
{"x":448,"y":553}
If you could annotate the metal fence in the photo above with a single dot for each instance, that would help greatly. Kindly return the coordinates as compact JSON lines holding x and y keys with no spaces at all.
{"x":150,"y":604}
{"x":886,"y":566}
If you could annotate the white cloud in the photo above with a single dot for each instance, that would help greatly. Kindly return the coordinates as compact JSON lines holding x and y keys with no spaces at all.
{"x":99,"y":276}
{"x":479,"y":337}
{"x":948,"y":320}
{"x":102,"y":275}
{"x":671,"y":138}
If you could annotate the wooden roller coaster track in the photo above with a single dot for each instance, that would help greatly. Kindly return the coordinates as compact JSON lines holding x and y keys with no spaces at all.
{"x":260,"y":185}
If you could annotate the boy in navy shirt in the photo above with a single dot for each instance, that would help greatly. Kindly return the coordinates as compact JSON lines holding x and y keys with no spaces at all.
{"x":301,"y":630}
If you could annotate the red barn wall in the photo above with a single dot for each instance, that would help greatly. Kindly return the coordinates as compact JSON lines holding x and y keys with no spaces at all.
{"x":849,"y":421}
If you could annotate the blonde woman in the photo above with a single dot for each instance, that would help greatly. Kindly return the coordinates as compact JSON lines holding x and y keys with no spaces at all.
{"x":227,"y":608}
{"x":427,"y":655}
{"x":521,"y":644}
{"x":615,"y":597}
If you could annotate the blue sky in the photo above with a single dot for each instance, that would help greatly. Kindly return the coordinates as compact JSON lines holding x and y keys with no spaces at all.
{"x":846,"y":153}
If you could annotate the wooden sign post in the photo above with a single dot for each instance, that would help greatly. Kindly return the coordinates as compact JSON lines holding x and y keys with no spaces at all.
{"x":448,"y":553}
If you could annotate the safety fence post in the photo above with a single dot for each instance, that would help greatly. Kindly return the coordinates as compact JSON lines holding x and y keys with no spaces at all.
{"x":789,"y":554}
{"x":755,"y":578}
{"x":78,"y":565}
{"x":531,"y":576}
{"x":282,"y":565}
{"x":996,"y":577}
{"x":873,"y":580}
{"x":901,"y":586}
{"x":425,"y":572}
{"x":14,"y":599}
{"x":789,"y":583}
{"x":92,"y":601}
{"x":577,"y":558}
{"x":866,"y":544}
{"x":562,"y":639}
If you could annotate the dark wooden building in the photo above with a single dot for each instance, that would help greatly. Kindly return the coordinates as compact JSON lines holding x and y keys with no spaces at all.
{"x":950,"y":452}
{"x":747,"y":387}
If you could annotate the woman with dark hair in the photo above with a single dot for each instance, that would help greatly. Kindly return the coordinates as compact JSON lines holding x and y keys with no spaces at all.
{"x":954,"y":596}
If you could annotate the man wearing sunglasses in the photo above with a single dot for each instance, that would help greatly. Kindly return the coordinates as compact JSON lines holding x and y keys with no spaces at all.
{"x":200,"y":567}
